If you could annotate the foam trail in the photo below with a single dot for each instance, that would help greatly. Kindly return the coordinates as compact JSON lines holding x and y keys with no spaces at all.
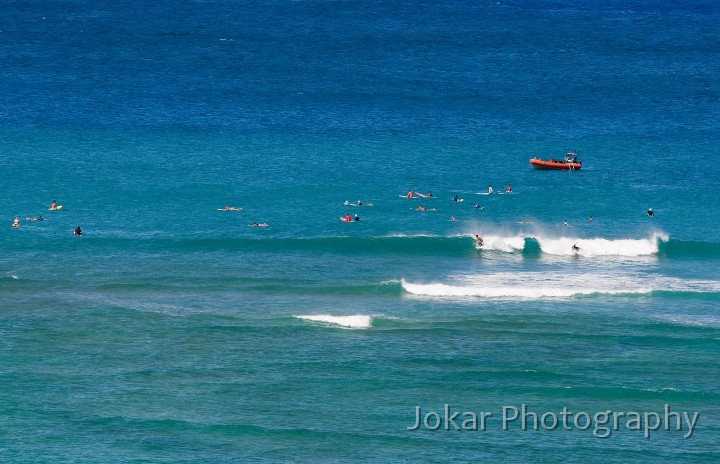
{"x":358,"y":321}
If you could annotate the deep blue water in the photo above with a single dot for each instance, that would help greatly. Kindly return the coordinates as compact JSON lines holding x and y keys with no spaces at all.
{"x":174,"y":332}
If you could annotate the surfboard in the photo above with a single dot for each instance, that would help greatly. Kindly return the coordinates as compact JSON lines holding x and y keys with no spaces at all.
{"x":231,"y":209}
{"x":55,"y":208}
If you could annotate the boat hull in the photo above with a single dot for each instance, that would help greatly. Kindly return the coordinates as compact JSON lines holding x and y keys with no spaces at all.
{"x":554,"y":165}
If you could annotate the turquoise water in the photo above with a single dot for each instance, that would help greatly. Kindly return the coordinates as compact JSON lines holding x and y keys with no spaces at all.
{"x":175,"y":332}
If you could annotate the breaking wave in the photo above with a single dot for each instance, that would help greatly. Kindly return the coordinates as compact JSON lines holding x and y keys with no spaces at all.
{"x":358,"y":321}
{"x":535,"y":285}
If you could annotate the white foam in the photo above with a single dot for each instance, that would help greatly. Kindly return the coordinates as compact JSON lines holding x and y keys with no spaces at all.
{"x":358,"y":321}
{"x":500,"y":243}
{"x":443,"y":290}
{"x":563,"y":246}
{"x":598,"y":246}
{"x":536,"y":285}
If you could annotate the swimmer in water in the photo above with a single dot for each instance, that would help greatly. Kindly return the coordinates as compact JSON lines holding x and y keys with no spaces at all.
{"x":78,"y":231}
{"x":650,"y":213}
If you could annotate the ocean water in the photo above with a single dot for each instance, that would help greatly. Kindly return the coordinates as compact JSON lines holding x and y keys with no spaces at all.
{"x":172,"y":331}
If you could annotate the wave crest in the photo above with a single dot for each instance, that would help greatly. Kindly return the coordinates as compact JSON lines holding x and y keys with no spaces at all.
{"x":358,"y":321}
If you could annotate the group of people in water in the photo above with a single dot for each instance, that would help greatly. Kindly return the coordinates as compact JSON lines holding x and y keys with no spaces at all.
{"x":53,"y":207}
{"x":237,"y":208}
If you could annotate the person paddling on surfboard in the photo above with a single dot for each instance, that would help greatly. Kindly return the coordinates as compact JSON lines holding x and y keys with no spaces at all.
{"x":77,"y":231}
{"x":16,"y":223}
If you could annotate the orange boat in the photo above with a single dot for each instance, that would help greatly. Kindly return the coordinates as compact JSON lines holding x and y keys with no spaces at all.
{"x":570,"y":163}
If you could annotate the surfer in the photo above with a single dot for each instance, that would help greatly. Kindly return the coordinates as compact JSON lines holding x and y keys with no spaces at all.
{"x":575,"y":247}
{"x":477,"y":205}
{"x":452,"y":218}
{"x":650,"y":212}
{"x":255,"y":224}
{"x":53,"y":205}
{"x":348,"y":218}
{"x":16,"y":223}
{"x":591,"y":220}
{"x":490,"y":190}
{"x":456,"y":198}
{"x":357,"y":218}
{"x":565,"y":223}
{"x":478,"y":241}
{"x":78,"y":231}
{"x":39,"y":218}
{"x":232,"y":208}
{"x":508,"y":189}
{"x":410,"y":194}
